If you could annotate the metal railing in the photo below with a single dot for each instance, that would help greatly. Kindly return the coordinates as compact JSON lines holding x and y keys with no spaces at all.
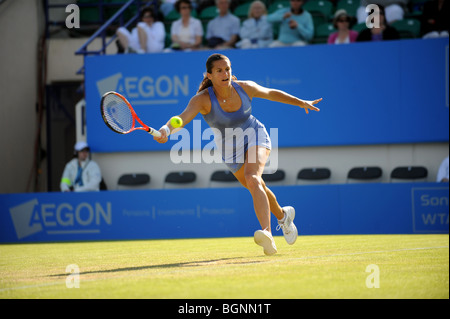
{"x":101,"y":32}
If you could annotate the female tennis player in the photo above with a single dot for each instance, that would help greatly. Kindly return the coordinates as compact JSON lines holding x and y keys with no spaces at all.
{"x":225,"y":103}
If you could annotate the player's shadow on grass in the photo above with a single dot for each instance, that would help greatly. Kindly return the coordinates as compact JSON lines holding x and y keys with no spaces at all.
{"x":220,"y":261}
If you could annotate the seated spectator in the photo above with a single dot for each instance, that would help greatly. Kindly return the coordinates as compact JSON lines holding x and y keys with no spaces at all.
{"x":395,"y":9}
{"x":384,"y":32}
{"x":296,"y":25}
{"x":442,"y":175}
{"x":81,"y":174}
{"x":128,"y":42}
{"x":151,"y":32}
{"x":148,"y":36}
{"x":256,"y":32}
{"x":186,"y":32}
{"x":222,"y":32}
{"x":435,"y":19}
{"x":344,"y":34}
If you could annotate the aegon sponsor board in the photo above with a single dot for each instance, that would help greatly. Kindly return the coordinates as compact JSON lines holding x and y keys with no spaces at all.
{"x":388,"y":208}
{"x":32,"y":216}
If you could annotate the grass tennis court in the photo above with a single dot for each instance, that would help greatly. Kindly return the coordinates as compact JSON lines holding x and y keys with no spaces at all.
{"x":410,"y":266}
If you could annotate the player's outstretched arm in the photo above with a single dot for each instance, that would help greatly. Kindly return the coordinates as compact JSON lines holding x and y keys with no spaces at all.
{"x":280,"y":96}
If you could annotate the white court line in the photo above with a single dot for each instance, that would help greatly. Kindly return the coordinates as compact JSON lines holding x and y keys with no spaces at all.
{"x":237,"y":264}
{"x":365,"y":253}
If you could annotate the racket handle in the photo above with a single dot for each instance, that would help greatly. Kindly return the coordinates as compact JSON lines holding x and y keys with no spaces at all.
{"x":154,"y":132}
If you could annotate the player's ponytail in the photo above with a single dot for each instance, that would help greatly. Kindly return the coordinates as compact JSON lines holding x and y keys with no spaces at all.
{"x":204,"y":84}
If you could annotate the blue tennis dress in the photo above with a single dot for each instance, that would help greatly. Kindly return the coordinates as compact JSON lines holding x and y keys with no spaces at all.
{"x":235,"y":132}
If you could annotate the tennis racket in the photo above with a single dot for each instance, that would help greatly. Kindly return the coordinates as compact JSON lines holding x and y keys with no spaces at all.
{"x":119,"y":115}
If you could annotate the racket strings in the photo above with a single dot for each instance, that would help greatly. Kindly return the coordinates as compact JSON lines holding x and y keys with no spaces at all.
{"x":117,"y":114}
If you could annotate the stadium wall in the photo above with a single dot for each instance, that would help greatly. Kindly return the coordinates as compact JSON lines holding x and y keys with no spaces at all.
{"x":21,"y":25}
{"x":376,"y":208}
{"x":374,"y":93}
{"x":339,"y":159}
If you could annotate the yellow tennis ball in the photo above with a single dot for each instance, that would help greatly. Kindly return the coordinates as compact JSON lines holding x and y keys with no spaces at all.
{"x":176,"y":121}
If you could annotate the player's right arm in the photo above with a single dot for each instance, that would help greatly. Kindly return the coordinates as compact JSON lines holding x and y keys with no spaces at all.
{"x":197,"y":104}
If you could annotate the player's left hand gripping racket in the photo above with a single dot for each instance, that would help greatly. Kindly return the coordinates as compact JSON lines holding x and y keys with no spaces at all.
{"x":119,"y":115}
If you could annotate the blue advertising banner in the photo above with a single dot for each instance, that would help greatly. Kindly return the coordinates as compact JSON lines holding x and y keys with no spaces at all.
{"x":430,"y":209}
{"x":374,"y":93}
{"x":397,"y":208}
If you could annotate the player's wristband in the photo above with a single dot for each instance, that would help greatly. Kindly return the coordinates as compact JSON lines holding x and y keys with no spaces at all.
{"x":167,"y":129}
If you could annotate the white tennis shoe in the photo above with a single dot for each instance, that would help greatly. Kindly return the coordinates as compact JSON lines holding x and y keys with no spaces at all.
{"x":264,"y":238}
{"x":289,"y":230}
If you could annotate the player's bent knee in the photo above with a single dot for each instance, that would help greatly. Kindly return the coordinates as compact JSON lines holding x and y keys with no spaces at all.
{"x":253,"y":181}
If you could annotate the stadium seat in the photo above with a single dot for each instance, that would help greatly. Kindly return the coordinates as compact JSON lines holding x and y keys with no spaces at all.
{"x":407,"y":28}
{"x":314,"y":176}
{"x":348,"y":5}
{"x":359,"y":27}
{"x":103,"y":186}
{"x":409,"y":173}
{"x":322,"y":32}
{"x":416,"y":5}
{"x":175,"y":15}
{"x":133,"y":181}
{"x":278,"y":5}
{"x":89,"y":14}
{"x":320,"y":10}
{"x":223,"y":179}
{"x":241,"y":10}
{"x":275,"y":178}
{"x":172,"y":16}
{"x":111,"y":10}
{"x":208,"y":13}
{"x":168,"y":40}
{"x":364,"y":174}
{"x":180,"y":180}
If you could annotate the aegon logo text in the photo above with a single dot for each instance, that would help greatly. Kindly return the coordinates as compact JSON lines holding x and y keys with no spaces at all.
{"x":162,"y":86}
{"x":161,"y":90}
{"x":62,"y":218}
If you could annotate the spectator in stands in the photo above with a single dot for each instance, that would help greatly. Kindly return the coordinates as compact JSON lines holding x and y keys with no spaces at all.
{"x":435,"y":19}
{"x":151,"y":32}
{"x":344,"y":34}
{"x":148,"y":36}
{"x":223,"y":31}
{"x":186,"y":32}
{"x":395,"y":9}
{"x":128,"y":42}
{"x":296,"y":25}
{"x":442,"y":175}
{"x":384,"y":32}
{"x":81,"y":174}
{"x":256,"y":32}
